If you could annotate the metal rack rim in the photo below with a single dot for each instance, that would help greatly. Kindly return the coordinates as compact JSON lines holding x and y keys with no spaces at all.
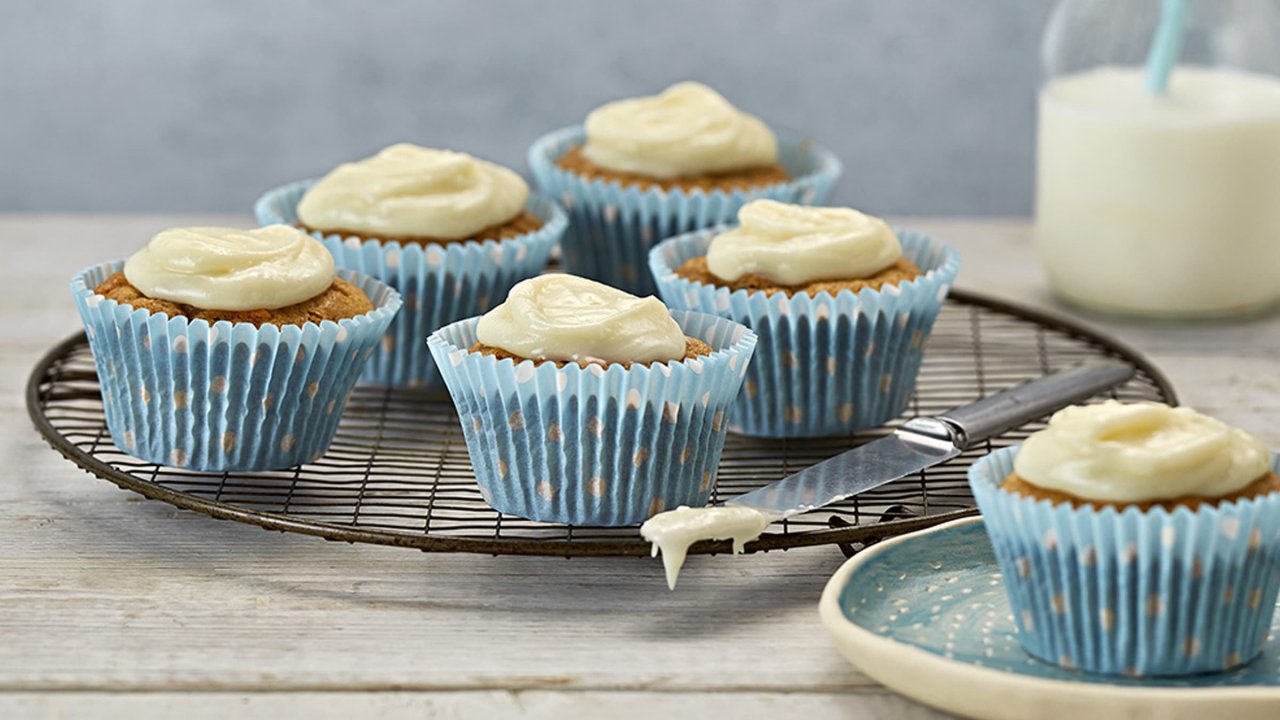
{"x":843,"y":536}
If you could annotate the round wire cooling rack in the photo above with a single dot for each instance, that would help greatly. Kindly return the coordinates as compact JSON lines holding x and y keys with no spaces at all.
{"x":398,"y":472}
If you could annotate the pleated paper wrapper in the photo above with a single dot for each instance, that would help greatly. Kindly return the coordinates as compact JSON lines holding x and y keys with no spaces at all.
{"x":612,"y":227}
{"x":440,"y":283}
{"x":1131,"y":592}
{"x":225,"y":397}
{"x":826,"y":364}
{"x":596,"y":445}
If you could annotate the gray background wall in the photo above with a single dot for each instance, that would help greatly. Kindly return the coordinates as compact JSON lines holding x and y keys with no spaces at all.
{"x":201,"y":104}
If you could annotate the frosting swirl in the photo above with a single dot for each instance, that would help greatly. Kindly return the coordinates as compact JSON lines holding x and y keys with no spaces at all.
{"x":219,"y":268}
{"x":568,"y":318}
{"x":1130,"y":453}
{"x":688,"y":129}
{"x":411,"y":191}
{"x":794,"y":244}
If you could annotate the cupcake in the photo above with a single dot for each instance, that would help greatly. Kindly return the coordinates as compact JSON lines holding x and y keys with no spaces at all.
{"x":450,"y":232}
{"x":643,"y":169}
{"x":1136,"y":539}
{"x":583,"y":404}
{"x":221,"y":349}
{"x":841,"y":303}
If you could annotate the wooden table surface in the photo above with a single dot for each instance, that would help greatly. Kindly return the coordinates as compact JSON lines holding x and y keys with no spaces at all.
{"x":113,"y":606}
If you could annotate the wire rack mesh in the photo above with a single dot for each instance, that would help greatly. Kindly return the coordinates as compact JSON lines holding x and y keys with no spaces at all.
{"x":398,"y":472}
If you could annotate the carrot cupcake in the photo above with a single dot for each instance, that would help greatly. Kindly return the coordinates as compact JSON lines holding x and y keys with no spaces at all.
{"x":1136,"y":539}
{"x":841,"y":302}
{"x":643,"y":169}
{"x":451,"y":232}
{"x":221,"y":349}
{"x":583,"y":404}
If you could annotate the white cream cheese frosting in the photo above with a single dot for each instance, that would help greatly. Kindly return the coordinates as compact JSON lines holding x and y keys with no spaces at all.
{"x":411,"y":191}
{"x":688,"y":129}
{"x":674,"y":531}
{"x":1142,"y":452}
{"x":220,"y":268}
{"x":572,"y":319}
{"x":795,"y":244}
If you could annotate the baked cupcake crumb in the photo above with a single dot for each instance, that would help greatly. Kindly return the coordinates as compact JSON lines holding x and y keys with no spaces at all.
{"x":521,"y":224}
{"x":693,"y":348}
{"x":577,"y":163}
{"x":1268,"y":483}
{"x":340,"y":301}
{"x":695,"y":270}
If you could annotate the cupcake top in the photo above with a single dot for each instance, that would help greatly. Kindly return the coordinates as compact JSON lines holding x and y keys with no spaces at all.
{"x":220,"y":268}
{"x":795,"y":244}
{"x":411,"y":191}
{"x":572,"y":319}
{"x":1142,"y":452}
{"x":688,"y":129}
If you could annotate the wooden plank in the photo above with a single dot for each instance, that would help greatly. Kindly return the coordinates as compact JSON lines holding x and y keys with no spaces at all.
{"x":534,"y":705}
{"x":126,"y":602}
{"x":105,"y":591}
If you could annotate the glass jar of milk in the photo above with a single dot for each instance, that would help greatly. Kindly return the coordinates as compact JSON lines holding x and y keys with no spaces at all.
{"x":1161,"y":203}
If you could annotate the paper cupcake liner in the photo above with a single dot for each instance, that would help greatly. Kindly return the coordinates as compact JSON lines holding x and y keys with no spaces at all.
{"x":612,"y":227}
{"x":595,"y":446}
{"x":440,"y":284}
{"x":1131,"y":592}
{"x":225,"y":397}
{"x":825,"y":365}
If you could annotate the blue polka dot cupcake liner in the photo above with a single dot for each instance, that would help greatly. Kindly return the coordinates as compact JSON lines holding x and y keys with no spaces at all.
{"x":225,"y":397}
{"x":440,"y":283}
{"x":612,"y":227}
{"x":1135,"y":593}
{"x":825,"y":365}
{"x":602,"y":446}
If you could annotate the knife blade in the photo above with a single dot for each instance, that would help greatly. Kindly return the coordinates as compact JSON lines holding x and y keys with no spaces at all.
{"x":921,"y":443}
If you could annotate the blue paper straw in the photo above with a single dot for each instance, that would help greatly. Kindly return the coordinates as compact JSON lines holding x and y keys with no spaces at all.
{"x":1166,"y":45}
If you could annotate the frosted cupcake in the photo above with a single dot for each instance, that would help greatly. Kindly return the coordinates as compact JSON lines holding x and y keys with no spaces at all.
{"x":451,"y":232}
{"x":647,"y":168}
{"x":841,"y":303}
{"x":1136,"y":539}
{"x":583,"y":404}
{"x":221,"y":349}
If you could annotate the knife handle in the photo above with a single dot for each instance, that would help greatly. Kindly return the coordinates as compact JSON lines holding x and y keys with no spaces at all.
{"x":1008,"y":409}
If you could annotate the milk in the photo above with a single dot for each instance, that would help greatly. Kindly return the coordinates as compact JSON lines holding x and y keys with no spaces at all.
{"x":1161,"y":205}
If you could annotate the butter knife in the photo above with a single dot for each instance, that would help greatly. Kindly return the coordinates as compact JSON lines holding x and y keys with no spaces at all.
{"x":924,"y":442}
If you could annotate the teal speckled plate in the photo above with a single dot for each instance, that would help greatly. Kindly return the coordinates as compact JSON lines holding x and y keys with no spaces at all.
{"x":926,"y":615}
